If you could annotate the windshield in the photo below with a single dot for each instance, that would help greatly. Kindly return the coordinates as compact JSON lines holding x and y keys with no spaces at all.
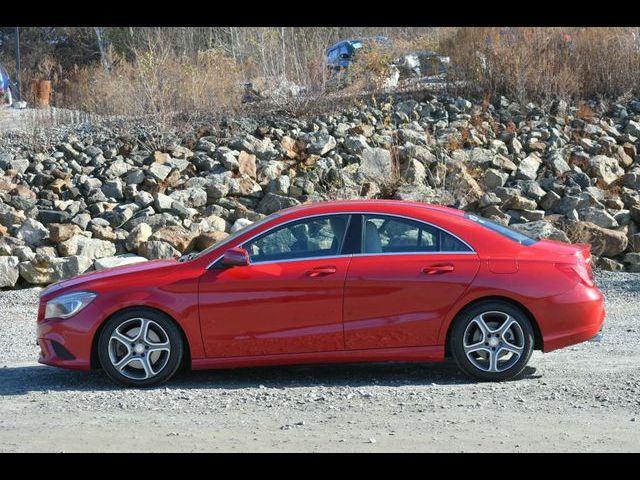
{"x":502,"y":230}
{"x":231,"y":237}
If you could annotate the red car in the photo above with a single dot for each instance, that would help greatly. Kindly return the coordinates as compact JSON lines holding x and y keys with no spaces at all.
{"x":347,"y":281}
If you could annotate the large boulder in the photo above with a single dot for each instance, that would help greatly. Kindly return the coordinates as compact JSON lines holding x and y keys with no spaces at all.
{"x":604,"y":242}
{"x":87,"y":247}
{"x":540,"y":230}
{"x":44,"y":269}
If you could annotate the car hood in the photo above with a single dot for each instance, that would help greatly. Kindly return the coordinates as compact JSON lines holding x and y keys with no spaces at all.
{"x":90,"y":277}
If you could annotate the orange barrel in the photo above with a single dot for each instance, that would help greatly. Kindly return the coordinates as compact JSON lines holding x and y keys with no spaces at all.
{"x":44,"y":93}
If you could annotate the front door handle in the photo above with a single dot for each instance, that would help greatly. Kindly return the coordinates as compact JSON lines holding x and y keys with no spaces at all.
{"x":436,"y":269}
{"x":321,"y":271}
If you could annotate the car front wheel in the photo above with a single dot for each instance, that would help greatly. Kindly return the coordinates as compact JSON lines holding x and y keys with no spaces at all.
{"x":492,"y":341}
{"x":140,"y":348}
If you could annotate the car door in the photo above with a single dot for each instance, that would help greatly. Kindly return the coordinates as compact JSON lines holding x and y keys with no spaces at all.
{"x":287,"y":300}
{"x":402,"y":284}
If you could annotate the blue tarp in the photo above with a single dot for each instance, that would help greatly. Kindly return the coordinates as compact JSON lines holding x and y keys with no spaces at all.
{"x":4,"y":79}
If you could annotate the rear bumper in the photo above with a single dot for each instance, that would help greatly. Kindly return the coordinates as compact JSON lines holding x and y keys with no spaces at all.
{"x":597,"y":337}
{"x":572,"y":317}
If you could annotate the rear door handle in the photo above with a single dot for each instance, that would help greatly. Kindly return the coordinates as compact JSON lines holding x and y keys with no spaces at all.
{"x":321,"y":271}
{"x":436,"y":269}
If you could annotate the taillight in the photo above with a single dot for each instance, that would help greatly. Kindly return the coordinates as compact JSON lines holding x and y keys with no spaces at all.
{"x":580,"y":271}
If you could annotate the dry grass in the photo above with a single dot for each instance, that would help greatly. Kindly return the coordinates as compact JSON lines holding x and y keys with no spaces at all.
{"x":157,"y":82}
{"x":535,"y":63}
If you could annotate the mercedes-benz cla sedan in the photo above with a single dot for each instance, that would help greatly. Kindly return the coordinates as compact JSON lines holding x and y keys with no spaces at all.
{"x":349,"y":281}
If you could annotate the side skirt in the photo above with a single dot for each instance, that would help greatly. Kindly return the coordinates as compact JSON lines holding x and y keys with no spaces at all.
{"x":408,"y":354}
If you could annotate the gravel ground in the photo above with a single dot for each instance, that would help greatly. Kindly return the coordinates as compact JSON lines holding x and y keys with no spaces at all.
{"x":583,"y":398}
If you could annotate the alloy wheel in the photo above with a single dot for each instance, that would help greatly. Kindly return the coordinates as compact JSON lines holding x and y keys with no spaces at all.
{"x":494,"y":341}
{"x":139,"y":348}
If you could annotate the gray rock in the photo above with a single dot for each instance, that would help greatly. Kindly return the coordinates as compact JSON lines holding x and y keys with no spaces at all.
{"x":117,"y":169}
{"x":540,"y":230}
{"x":280,"y":185}
{"x":159,"y":171}
{"x":557,"y":164}
{"x":162,"y":202}
{"x":272,"y":203}
{"x":119,"y":260}
{"x":376,"y":165}
{"x":9,"y":271}
{"x":631,"y":180}
{"x":414,"y":172}
{"x":137,"y":236}
{"x":190,"y":197}
{"x":355,"y":144}
{"x":44,"y":269}
{"x":320,"y":143}
{"x":518,"y":202}
{"x":600,"y":217}
{"x":493,"y":178}
{"x":633,"y":128}
{"x":87,"y":247}
{"x":33,"y":233}
{"x":113,"y":189}
{"x":550,"y":200}
{"x":488,"y":199}
{"x":608,"y":264}
{"x":239,"y":224}
{"x":606,"y":169}
{"x":20,"y":165}
{"x":136,"y":177}
{"x":528,"y":168}
{"x":155,"y":249}
{"x":605,"y":242}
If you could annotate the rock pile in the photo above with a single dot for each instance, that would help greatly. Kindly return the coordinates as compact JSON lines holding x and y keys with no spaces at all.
{"x":95,"y":200}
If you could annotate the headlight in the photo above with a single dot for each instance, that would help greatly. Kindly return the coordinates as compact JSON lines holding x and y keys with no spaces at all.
{"x":67,"y":305}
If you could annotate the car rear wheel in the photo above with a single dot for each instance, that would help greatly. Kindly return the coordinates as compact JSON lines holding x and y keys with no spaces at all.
{"x":492,"y":341}
{"x":140,"y":348}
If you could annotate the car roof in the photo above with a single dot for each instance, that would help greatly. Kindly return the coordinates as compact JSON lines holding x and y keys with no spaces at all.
{"x":367,"y":205}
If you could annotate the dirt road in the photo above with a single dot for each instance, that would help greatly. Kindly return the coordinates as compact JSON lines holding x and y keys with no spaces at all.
{"x":584,"y":398}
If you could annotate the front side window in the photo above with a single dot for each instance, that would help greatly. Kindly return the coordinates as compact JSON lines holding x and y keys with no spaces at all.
{"x":307,"y":238}
{"x":386,"y":234}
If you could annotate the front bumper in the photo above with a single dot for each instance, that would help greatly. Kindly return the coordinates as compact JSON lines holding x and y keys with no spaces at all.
{"x":68,"y":343}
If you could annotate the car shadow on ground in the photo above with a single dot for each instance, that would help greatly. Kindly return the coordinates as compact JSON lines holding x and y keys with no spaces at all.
{"x":38,"y":378}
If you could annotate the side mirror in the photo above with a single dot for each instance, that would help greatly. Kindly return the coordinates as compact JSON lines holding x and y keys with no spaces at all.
{"x":236,"y":257}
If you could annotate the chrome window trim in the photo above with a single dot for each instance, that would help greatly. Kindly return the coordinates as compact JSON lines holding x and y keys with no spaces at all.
{"x":471,"y":252}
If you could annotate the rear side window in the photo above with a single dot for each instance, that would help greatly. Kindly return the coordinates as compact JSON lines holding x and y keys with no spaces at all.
{"x":502,"y":230}
{"x":387,"y":234}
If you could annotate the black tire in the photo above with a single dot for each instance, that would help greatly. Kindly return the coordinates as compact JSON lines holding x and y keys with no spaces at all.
{"x":169,"y":364}
{"x":466,"y":328}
